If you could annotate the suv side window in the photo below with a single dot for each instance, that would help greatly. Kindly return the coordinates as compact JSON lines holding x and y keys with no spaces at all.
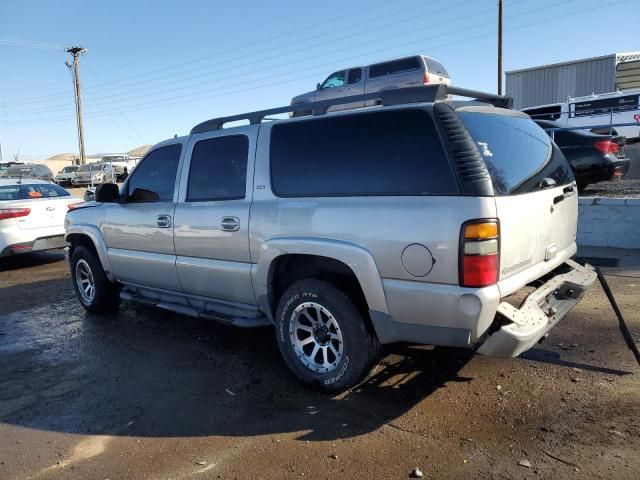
{"x":154,"y":179}
{"x":355,"y":75}
{"x":334,"y":80}
{"x":382,"y":153}
{"x":218,"y":169}
{"x":395,"y":66}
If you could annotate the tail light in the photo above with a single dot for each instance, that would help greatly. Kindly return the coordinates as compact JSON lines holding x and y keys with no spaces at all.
{"x":7,"y":213}
{"x":425,"y":78}
{"x":607,"y":146}
{"x":479,"y":253}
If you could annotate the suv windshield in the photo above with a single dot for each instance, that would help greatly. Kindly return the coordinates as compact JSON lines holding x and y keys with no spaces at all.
{"x":519,"y":155}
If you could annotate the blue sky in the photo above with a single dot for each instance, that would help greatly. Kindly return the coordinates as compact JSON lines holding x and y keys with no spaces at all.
{"x":156,"y":68}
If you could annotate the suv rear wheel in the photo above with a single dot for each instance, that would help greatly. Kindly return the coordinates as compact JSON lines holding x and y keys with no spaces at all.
{"x":323,"y":337}
{"x":94,"y":290}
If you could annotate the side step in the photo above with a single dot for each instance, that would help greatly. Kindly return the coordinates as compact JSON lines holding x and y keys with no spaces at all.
{"x":235,"y":321}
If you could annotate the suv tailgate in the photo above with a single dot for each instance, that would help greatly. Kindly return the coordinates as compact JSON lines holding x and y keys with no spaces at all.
{"x":536,"y":198}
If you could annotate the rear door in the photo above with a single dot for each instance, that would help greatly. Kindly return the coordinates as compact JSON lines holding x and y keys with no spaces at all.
{"x":355,"y":86}
{"x":536,"y":199}
{"x":212,"y":216}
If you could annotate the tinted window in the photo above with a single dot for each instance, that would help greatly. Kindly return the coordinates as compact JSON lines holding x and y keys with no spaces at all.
{"x":382,"y":153}
{"x":518,"y":153}
{"x":334,"y":80}
{"x":355,"y":75}
{"x":154,"y":178}
{"x":395,"y":66}
{"x":28,"y":191}
{"x":433,"y":66}
{"x":218,"y":169}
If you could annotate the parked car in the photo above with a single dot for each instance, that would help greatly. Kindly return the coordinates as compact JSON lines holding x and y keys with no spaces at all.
{"x":93,"y":173}
{"x":29,"y":170}
{"x":32,"y":215}
{"x":63,"y":178}
{"x":5,"y":165}
{"x":593,"y":157}
{"x":409,"y":222}
{"x":392,"y":74}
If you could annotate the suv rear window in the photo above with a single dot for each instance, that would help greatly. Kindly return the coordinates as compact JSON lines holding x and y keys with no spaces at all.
{"x":395,"y":66}
{"x":518,"y":153}
{"x":382,"y":153}
{"x":433,"y":66}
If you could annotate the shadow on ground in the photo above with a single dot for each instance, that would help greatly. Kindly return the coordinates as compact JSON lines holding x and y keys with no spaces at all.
{"x":175,"y":376}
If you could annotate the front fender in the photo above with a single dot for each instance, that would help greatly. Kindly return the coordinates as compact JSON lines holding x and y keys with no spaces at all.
{"x":358,"y":259}
{"x":95,"y":235}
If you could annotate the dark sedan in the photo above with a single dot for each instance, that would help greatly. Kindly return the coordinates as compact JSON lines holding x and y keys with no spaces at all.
{"x":594,"y":157}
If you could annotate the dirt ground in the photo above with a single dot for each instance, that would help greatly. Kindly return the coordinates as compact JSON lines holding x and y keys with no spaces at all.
{"x":146,"y":394}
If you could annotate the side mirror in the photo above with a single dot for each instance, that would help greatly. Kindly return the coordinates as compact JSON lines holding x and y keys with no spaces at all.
{"x":318,"y":86}
{"x":107,"y":193}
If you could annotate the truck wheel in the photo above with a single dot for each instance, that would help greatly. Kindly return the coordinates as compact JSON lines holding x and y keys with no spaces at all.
{"x":94,"y":290}
{"x":323,"y":337}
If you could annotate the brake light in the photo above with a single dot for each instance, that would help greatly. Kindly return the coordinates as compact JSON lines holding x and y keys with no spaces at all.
{"x":7,"y":213}
{"x":479,"y":253}
{"x":607,"y":146}
{"x":425,"y":78}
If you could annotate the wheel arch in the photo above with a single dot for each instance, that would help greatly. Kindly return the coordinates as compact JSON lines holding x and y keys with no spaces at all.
{"x":300,"y":258}
{"x":92,"y":238}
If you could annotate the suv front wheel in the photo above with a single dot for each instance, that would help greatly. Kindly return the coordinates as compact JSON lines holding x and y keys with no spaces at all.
{"x":96,"y":293}
{"x":323,"y":337}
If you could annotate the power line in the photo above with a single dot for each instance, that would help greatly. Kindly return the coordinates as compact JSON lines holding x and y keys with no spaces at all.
{"x":46,"y":109}
{"x":200,"y":98}
{"x":16,"y":42}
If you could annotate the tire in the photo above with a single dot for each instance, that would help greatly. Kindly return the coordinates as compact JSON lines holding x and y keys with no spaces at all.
{"x":86,"y":269}
{"x":345,"y":326}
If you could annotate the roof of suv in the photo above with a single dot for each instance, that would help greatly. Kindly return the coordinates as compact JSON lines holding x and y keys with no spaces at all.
{"x":397,"y":97}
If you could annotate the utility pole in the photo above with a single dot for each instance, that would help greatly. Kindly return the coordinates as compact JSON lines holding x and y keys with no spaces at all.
{"x":499,"y":47}
{"x":76,"y":52}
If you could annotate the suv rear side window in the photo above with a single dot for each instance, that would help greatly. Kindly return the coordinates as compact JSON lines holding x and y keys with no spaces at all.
{"x":154,"y":179}
{"x":395,"y":66}
{"x":382,"y":153}
{"x":218,"y":169}
{"x":518,"y":153}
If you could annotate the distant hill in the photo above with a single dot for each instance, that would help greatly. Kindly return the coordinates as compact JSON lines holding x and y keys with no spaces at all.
{"x":140,"y":151}
{"x":68,"y":157}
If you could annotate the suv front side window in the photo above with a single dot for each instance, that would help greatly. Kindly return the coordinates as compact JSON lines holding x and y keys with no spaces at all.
{"x":334,"y":80}
{"x":154,"y":179}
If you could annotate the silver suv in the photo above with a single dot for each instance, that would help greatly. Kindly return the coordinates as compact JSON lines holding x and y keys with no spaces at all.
{"x":413,"y":221}
{"x":392,"y":74}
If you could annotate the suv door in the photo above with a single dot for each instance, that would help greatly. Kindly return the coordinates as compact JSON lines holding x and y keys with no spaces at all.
{"x":333,"y":87}
{"x":139,"y":231}
{"x":355,"y":86}
{"x":212,"y":216}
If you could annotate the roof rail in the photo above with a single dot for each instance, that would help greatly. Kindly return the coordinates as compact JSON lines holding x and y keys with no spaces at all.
{"x":399,"y":96}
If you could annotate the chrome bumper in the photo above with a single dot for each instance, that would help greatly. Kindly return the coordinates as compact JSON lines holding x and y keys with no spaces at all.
{"x":523,"y":327}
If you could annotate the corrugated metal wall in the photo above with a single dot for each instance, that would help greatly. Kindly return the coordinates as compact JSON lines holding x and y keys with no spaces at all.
{"x":555,"y":83}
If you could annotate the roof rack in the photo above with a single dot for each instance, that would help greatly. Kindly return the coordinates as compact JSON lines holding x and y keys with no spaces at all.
{"x":427,"y":93}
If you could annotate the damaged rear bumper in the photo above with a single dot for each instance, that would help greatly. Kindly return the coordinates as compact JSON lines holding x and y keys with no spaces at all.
{"x":519,"y":329}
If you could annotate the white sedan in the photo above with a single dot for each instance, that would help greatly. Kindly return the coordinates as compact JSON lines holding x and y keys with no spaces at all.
{"x":32,"y":215}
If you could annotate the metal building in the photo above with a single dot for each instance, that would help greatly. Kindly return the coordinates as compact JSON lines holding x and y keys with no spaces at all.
{"x":560,"y":81}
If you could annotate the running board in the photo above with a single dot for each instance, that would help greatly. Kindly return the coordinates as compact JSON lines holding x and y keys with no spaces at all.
{"x":235,"y":321}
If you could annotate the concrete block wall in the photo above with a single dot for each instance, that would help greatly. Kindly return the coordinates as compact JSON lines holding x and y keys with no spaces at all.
{"x":609,"y":222}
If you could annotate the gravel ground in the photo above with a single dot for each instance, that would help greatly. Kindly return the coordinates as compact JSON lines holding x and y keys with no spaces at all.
{"x":147,"y":394}
{"x":629,"y":188}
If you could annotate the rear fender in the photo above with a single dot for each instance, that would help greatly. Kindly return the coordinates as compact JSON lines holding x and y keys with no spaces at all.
{"x":358,"y":259}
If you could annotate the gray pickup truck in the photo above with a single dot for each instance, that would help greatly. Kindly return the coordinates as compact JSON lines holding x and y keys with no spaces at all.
{"x":392,"y":74}
{"x":413,"y":221}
